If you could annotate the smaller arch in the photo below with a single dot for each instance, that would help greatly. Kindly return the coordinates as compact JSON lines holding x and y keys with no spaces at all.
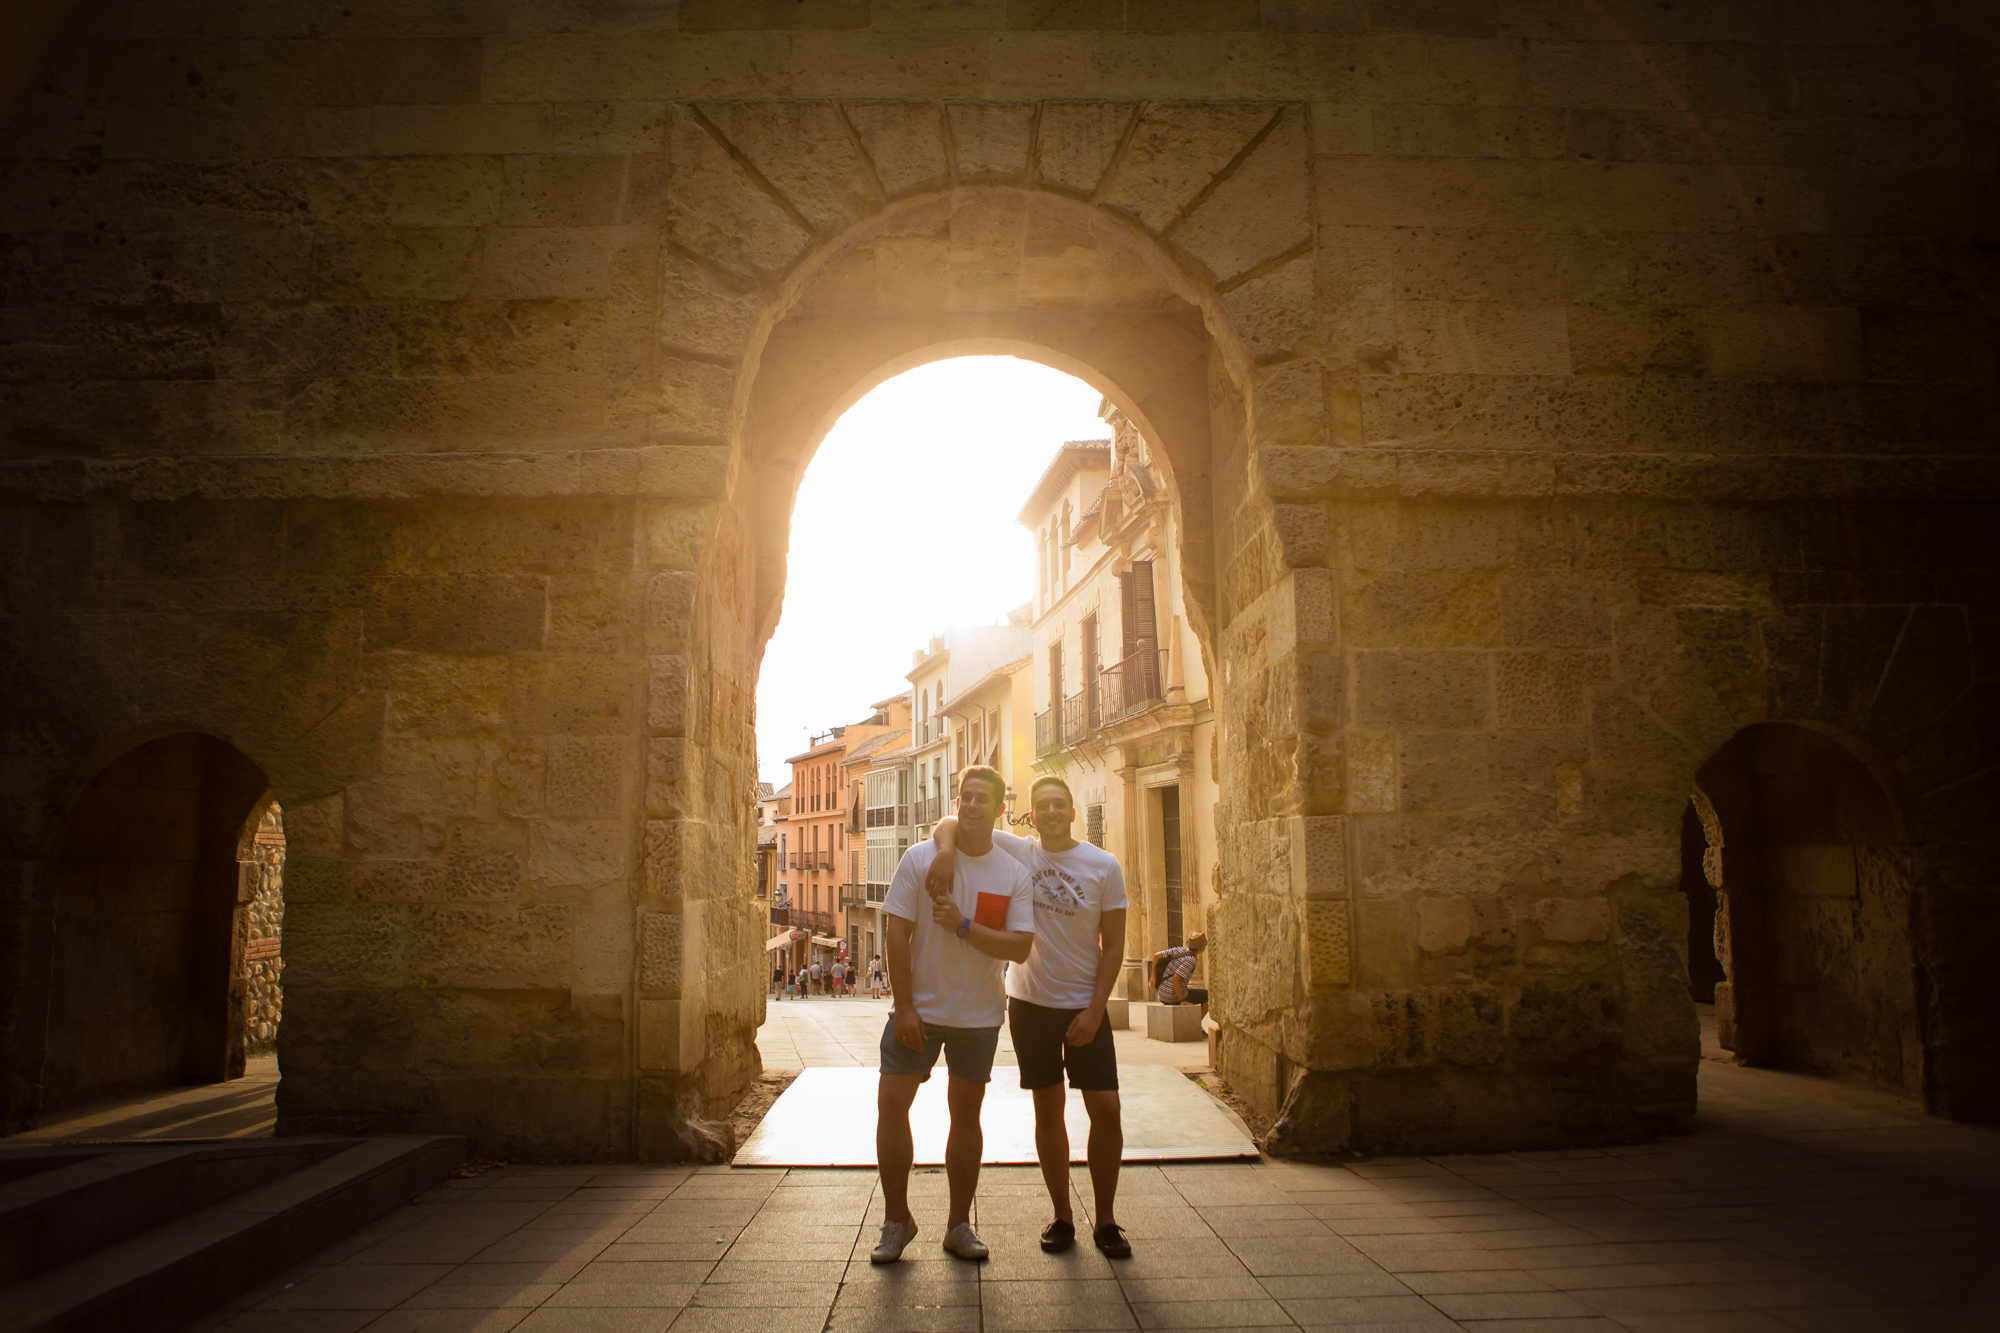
{"x":145,"y":973}
{"x":1808,"y":851}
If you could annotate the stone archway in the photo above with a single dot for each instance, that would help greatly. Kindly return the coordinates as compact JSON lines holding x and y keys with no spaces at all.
{"x":1810,"y":858}
{"x":146,"y":979}
{"x":1052,"y":255}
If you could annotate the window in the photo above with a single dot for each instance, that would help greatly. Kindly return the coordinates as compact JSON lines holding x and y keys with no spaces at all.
{"x":1064,"y":541}
{"x":1093,"y":824}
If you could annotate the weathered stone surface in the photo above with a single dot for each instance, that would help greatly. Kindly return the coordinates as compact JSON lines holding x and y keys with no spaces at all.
{"x":415,"y":402}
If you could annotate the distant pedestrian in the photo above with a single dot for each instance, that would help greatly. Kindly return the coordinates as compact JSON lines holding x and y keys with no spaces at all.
{"x":815,"y":976}
{"x":839,"y":977}
{"x":803,"y":981}
{"x":875,"y":975}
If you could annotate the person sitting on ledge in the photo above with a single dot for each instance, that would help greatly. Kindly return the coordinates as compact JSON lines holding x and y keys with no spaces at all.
{"x":1173,"y":968}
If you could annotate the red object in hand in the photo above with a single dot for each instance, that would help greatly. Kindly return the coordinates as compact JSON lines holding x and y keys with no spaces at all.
{"x":991,"y":911}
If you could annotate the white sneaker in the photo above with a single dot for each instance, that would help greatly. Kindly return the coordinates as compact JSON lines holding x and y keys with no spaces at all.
{"x":962,"y":1241}
{"x":895,"y":1236}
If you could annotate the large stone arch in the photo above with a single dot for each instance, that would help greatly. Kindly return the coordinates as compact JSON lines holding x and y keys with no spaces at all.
{"x":1593,"y":383}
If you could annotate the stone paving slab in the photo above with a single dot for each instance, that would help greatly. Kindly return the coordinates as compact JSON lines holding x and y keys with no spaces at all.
{"x":827,"y":1118}
{"x":1795,"y":1206}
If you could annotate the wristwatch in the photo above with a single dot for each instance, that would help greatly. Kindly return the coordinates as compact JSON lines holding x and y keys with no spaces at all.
{"x":965,"y":928}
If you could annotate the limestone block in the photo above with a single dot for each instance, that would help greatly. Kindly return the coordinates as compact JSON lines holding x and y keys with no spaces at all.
{"x":579,"y":189}
{"x":669,"y":610}
{"x":990,"y":140}
{"x":438,"y":131}
{"x":1078,"y":140}
{"x":904,"y":141}
{"x":1550,"y":689}
{"x":572,"y":694}
{"x":1554,"y":1022}
{"x":660,"y":1027}
{"x":1477,"y":338}
{"x":1385,"y":936}
{"x":668,"y":695}
{"x":1173,"y":1022}
{"x":1175,"y":150}
{"x":678,"y":533}
{"x":585,"y":776}
{"x":1328,"y":959}
{"x":1318,"y":855}
{"x":1445,"y":771}
{"x":1772,"y":342}
{"x":1421,"y":609}
{"x":1276,"y":313}
{"x":1289,"y":409}
{"x":1422,"y":689}
{"x":700,"y":313}
{"x":314,"y":828}
{"x":718,"y":212}
{"x":1572,"y":920}
{"x":805,"y":152}
{"x":1364,"y":192}
{"x":1372,"y":784}
{"x":1117,"y":1013}
{"x":660,"y":952}
{"x":871,"y":64}
{"x":396,"y":264}
{"x":1444,"y":925}
{"x":549,"y":263}
{"x":577,"y":853}
{"x":1261,"y":210}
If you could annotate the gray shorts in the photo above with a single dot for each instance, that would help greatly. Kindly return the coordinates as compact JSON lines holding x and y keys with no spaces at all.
{"x":968,"y":1052}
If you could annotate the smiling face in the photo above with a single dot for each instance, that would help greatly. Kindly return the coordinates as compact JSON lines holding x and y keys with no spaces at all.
{"x":979,"y":804}
{"x":1053,"y":811}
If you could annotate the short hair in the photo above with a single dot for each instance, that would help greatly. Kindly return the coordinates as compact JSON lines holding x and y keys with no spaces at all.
{"x":986,"y":773}
{"x":1045,"y":780}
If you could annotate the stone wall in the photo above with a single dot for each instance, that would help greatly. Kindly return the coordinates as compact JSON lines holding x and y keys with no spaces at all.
{"x":264,"y":921}
{"x":414,"y":396}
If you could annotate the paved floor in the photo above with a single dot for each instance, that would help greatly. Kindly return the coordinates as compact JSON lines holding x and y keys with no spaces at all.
{"x":243,"y":1108}
{"x":1795,"y":1204}
{"x":827,"y":1033}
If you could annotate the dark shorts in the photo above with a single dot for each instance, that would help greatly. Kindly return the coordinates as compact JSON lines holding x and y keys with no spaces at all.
{"x":1039,"y":1047}
{"x":968,"y":1052}
{"x":1195,"y":995}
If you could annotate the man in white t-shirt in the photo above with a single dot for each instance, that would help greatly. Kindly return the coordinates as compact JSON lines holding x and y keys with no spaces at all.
{"x":946,"y":950}
{"x":1055,"y":1001}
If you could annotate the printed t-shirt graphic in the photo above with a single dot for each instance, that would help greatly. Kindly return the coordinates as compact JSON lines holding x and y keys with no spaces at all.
{"x":952,"y":984}
{"x":1072,"y":890}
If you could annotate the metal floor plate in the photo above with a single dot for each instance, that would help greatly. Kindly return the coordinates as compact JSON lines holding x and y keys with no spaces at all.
{"x":827,"y":1118}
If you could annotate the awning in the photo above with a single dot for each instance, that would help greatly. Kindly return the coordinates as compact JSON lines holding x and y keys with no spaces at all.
{"x":778,"y":943}
{"x":825,"y":943}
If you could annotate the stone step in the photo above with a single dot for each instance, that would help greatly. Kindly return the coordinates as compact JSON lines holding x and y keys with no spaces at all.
{"x":70,"y":1200}
{"x":166,"y":1275}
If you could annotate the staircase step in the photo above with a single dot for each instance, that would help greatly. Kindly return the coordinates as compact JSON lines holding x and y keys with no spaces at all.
{"x":168,"y":1275}
{"x":78,"y":1206}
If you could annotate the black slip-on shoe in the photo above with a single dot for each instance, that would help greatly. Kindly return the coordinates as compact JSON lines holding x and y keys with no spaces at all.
{"x":1110,"y":1238}
{"x":1058,"y":1236}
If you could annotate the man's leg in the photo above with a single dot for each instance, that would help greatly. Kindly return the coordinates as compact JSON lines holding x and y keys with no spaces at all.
{"x":963,"y":1146}
{"x":1052,"y":1148}
{"x":895,"y":1150}
{"x":1105,"y":1151}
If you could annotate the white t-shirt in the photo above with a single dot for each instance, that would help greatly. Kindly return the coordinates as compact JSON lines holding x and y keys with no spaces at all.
{"x":952,"y":984}
{"x":1072,"y":890}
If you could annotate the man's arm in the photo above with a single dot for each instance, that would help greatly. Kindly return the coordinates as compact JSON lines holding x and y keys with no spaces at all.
{"x":1010,"y":946}
{"x":1110,"y":962}
{"x":898,"y":932}
{"x":945,"y":834}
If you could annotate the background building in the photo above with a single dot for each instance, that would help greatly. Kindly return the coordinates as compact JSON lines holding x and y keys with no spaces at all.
{"x":1121,"y":708}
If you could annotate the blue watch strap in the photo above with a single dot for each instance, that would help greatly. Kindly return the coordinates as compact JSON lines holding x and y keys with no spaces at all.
{"x":965,"y":928}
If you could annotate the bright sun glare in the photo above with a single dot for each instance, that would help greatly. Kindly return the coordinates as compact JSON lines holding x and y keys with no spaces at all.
{"x":905,"y":525}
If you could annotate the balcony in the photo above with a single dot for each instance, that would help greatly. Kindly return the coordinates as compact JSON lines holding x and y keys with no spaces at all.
{"x":1079,"y":716}
{"x":1130,"y":685}
{"x":797,"y":861}
{"x":888,"y":816}
{"x":826,"y":861}
{"x":1048,"y":733}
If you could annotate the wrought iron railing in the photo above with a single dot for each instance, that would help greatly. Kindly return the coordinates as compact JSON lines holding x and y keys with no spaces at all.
{"x":1048,"y":732}
{"x":1076,"y":718}
{"x":1131,"y":684}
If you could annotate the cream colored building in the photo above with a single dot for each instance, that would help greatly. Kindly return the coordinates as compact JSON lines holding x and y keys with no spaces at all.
{"x":1120,"y":693}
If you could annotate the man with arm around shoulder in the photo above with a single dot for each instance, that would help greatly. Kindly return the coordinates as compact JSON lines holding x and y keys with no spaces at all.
{"x":946,"y":949}
{"x":1056,"y":1001}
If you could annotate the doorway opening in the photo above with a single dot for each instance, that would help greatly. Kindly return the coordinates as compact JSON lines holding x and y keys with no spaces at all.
{"x":1813,"y":909}
{"x":167,"y":912}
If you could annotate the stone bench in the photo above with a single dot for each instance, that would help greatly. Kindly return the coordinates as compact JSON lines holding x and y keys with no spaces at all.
{"x":1174,"y":1022}
{"x":1118,"y":1013}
